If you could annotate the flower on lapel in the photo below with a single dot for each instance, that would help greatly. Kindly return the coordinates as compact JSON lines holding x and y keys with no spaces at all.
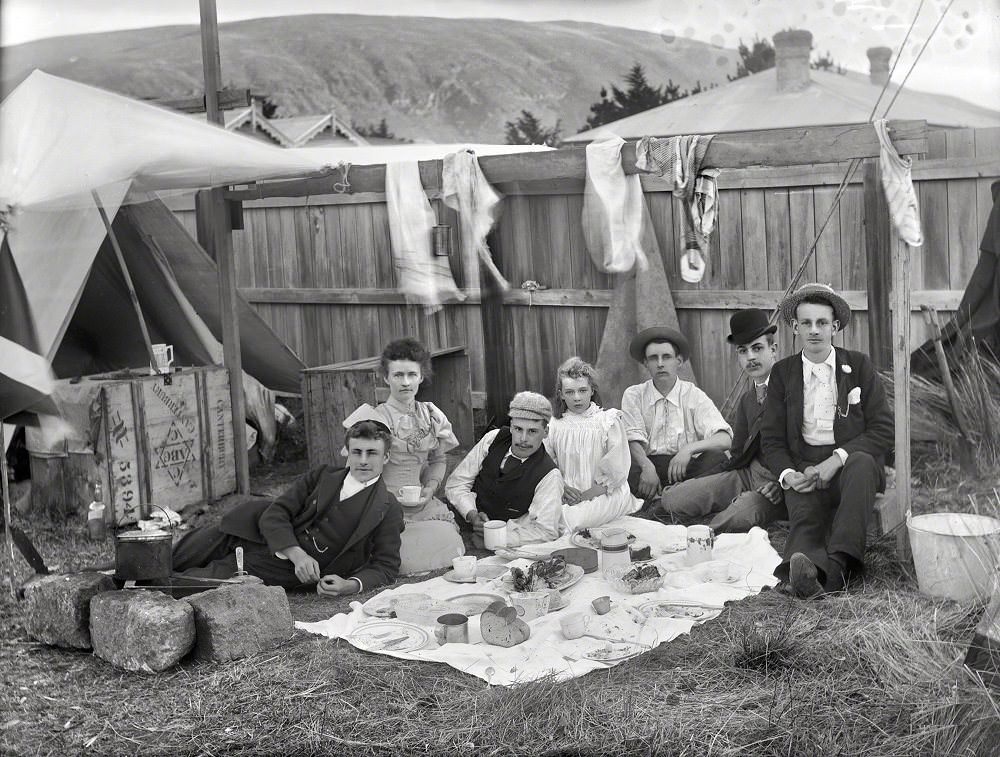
{"x":845,"y":368}
{"x":854,"y":396}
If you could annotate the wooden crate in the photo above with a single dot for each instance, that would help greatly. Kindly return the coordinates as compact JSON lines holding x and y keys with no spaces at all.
{"x":330,"y":393}
{"x":145,"y":440}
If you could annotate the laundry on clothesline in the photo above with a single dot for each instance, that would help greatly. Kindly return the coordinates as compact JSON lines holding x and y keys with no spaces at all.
{"x":897,"y":183}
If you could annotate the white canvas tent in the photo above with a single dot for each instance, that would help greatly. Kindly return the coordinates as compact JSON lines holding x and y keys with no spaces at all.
{"x":61,"y":142}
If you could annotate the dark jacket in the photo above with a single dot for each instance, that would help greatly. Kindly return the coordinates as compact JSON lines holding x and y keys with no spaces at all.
{"x":370,"y":552}
{"x":746,"y":430}
{"x":863,"y":427}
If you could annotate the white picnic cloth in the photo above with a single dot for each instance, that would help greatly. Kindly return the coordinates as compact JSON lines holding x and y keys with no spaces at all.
{"x":547,"y":652}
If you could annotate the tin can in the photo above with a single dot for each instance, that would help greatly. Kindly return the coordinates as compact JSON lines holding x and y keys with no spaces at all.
{"x":142,"y":555}
{"x":441,"y":240}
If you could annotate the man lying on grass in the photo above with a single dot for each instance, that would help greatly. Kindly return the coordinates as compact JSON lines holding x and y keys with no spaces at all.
{"x":338,"y":528}
{"x":825,"y":434}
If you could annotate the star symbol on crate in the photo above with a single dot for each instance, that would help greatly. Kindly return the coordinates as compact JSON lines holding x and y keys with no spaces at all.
{"x":173,"y":456}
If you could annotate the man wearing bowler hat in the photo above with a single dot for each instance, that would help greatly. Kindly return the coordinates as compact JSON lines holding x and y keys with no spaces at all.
{"x":509,"y":476}
{"x":744,"y":493}
{"x":825,"y":433}
{"x":674,"y":430}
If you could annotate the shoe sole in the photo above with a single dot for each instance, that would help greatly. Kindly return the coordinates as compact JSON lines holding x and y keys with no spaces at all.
{"x":804,"y":577}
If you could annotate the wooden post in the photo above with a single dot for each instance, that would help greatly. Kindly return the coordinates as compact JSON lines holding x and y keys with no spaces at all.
{"x":901,"y":380}
{"x":878,"y":241}
{"x":215,"y":225}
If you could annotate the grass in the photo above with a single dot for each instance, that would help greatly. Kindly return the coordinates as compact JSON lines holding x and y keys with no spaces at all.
{"x":877,"y":671}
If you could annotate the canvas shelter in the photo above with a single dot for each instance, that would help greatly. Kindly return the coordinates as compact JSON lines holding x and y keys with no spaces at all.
{"x":64,"y":148}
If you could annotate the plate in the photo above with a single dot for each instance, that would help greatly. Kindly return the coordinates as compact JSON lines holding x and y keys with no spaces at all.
{"x":378,"y":606}
{"x":473,"y":604}
{"x":389,"y":636}
{"x":614,"y":651}
{"x":572,"y":575}
{"x":585,"y":557}
{"x":450,"y":576}
{"x":594,"y":540}
{"x":664,"y":608}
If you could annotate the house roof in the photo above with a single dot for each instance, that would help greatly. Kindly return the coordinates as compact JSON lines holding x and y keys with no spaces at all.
{"x":754,"y":103}
{"x":292,"y":131}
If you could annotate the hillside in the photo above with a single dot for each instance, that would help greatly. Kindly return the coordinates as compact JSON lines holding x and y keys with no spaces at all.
{"x":431,"y":79}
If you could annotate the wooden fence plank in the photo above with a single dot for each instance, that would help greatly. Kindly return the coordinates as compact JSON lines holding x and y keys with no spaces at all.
{"x":934,"y":254}
{"x":964,"y":229}
{"x":778,"y":238}
{"x":754,"y":239}
{"x":730,"y":233}
{"x":802,"y":231}
{"x":828,"y":251}
{"x":854,"y":262}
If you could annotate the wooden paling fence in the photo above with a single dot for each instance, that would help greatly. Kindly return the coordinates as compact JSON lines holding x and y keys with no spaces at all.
{"x":319,"y":267}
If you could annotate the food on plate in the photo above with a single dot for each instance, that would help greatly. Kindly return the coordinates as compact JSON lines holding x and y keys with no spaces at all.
{"x":540,"y":575}
{"x":638,"y":574}
{"x":501,"y":627}
{"x":640,"y":551}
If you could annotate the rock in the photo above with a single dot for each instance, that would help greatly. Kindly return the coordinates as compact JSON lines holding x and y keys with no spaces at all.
{"x":240,"y":620}
{"x":141,"y":631}
{"x":57,"y":608}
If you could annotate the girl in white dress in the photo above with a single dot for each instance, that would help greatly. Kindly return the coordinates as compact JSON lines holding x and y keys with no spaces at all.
{"x":589,"y":445}
{"x":421,"y":435}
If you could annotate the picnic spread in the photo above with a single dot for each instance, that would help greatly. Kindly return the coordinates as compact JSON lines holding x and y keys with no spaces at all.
{"x":741,"y":565}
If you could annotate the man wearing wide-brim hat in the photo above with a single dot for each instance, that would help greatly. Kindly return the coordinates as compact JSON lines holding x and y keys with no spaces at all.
{"x":744,"y":493}
{"x":509,"y":476}
{"x":825,"y":434}
{"x":674,"y":430}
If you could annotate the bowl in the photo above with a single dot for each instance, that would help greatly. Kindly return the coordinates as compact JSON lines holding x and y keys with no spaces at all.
{"x":616,"y":577}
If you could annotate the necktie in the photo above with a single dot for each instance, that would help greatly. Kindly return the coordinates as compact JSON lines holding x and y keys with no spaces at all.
{"x":509,"y":464}
{"x":761,"y":390}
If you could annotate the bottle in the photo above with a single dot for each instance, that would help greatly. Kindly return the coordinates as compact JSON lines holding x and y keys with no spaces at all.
{"x":95,"y":514}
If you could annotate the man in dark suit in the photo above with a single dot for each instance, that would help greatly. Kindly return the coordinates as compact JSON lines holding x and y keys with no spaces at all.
{"x":742,"y":491}
{"x":338,"y":528}
{"x":825,"y":433}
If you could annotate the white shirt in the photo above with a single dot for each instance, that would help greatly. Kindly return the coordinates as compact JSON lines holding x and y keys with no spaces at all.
{"x":819,"y":406}
{"x":540,"y":523}
{"x":664,"y":424}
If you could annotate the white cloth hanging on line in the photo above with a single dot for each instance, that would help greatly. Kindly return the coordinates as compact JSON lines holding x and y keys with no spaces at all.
{"x":465,"y":189}
{"x":423,"y":278}
{"x":898,"y":186}
{"x":612,"y":209}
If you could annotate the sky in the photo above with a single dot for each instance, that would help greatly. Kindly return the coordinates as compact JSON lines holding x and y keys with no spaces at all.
{"x":963,"y":57}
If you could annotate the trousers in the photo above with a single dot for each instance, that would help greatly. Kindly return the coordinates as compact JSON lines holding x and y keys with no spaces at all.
{"x":207,"y":552}
{"x":830,"y":526}
{"x":703,"y":463}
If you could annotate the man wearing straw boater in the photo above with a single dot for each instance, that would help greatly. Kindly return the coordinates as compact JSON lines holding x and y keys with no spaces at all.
{"x":744,"y":492}
{"x":825,"y":434}
{"x":674,"y":430}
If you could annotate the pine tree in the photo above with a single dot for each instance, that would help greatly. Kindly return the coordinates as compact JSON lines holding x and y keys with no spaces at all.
{"x":529,"y":130}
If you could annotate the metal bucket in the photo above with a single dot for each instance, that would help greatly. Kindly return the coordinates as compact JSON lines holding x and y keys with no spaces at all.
{"x":142,"y":555}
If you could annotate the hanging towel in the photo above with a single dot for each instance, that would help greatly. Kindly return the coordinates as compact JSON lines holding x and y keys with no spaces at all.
{"x":466,"y":190}
{"x":898,"y":186}
{"x":612,"y":209}
{"x":679,"y":161}
{"x":423,"y":278}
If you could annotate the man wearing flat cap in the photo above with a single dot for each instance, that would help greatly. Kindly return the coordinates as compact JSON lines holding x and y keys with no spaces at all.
{"x":744,"y":493}
{"x":674,"y":430}
{"x":825,"y":434}
{"x":509,"y":476}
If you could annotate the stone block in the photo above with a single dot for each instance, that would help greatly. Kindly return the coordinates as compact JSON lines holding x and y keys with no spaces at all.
{"x":240,"y":620}
{"x":141,"y":631}
{"x":57,"y":608}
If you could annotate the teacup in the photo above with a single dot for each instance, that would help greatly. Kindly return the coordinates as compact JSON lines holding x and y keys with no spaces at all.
{"x":716,"y":571}
{"x":574,"y":625}
{"x":700,"y":542}
{"x":464,"y":568}
{"x":452,"y":628}
{"x":530,"y":604}
{"x":602,"y":605}
{"x":495,"y":534}
{"x":409,"y":495}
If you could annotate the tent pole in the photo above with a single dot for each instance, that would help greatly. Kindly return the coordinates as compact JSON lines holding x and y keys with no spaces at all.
{"x":128,"y":279}
{"x":7,"y":519}
{"x":219,"y":232}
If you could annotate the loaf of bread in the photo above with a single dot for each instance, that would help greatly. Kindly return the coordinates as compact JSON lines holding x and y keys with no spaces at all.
{"x":501,"y":627}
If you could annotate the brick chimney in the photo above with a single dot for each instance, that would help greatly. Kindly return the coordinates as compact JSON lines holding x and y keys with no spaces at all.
{"x":878,"y":64}
{"x":791,"y":58}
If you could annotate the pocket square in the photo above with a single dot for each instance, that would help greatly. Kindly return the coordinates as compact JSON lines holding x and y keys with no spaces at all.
{"x":854,"y":396}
